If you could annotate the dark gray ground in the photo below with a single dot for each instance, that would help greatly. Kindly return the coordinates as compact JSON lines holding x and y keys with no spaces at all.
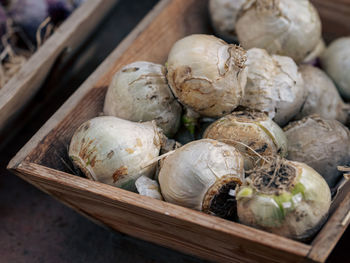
{"x":36,"y":228}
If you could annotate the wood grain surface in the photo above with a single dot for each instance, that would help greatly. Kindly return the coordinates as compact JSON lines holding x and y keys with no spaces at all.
{"x":164,"y":223}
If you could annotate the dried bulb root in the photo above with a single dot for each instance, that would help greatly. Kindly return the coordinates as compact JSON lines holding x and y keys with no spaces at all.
{"x":284,"y":197}
{"x":253,"y":133}
{"x":195,"y":174}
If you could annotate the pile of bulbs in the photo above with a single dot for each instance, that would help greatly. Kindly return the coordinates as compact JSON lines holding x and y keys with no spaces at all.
{"x":244,"y":167}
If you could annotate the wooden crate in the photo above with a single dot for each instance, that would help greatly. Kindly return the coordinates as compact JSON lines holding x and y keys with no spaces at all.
{"x":40,"y":163}
{"x":64,"y":42}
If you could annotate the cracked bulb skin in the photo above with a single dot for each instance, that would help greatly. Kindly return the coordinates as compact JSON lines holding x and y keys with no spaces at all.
{"x":140,"y":92}
{"x":286,"y":198}
{"x":207,"y":75}
{"x":274,"y":86}
{"x":253,"y":133}
{"x":200,"y":175}
{"x":282,"y":27}
{"x":114,"y":151}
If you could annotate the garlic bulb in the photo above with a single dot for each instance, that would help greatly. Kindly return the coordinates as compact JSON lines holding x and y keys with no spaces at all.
{"x":323,"y":97}
{"x":320,"y":143}
{"x":253,"y":133}
{"x":206,"y":74}
{"x":286,"y":198}
{"x":336,"y":62}
{"x":139,"y":92}
{"x":114,"y":151}
{"x":283,"y":27}
{"x":274,"y":86}
{"x":223,"y":15}
{"x":202,"y":175}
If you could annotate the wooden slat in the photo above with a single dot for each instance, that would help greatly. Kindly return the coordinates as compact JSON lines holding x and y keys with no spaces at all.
{"x":182,"y":18}
{"x":330,"y":234}
{"x":166,"y":224}
{"x":335,"y":17}
{"x":60,"y":198}
{"x":18,"y":91}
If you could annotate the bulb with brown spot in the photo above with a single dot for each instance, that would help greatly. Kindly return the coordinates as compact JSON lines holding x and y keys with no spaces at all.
{"x":206,"y":74}
{"x":115,"y":151}
{"x":140,"y":92}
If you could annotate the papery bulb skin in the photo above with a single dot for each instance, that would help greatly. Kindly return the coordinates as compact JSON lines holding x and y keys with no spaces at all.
{"x":223,"y":15}
{"x":322,"y":144}
{"x":282,"y":27}
{"x":336,"y":63}
{"x":28,"y":15}
{"x":115,"y":151}
{"x":147,"y":187}
{"x":140,"y":92}
{"x":323,"y":98}
{"x":206,"y":74}
{"x":253,"y":133}
{"x":274,"y":86}
{"x":313,"y":57}
{"x":199,"y":172}
{"x":286,"y":198}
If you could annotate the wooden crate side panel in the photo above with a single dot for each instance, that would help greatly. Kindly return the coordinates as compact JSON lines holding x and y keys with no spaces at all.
{"x":58,"y":197}
{"x":68,"y":36}
{"x":332,"y":231}
{"x":53,"y":149}
{"x":179,"y":19}
{"x":335,"y":17}
{"x":177,"y":227}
